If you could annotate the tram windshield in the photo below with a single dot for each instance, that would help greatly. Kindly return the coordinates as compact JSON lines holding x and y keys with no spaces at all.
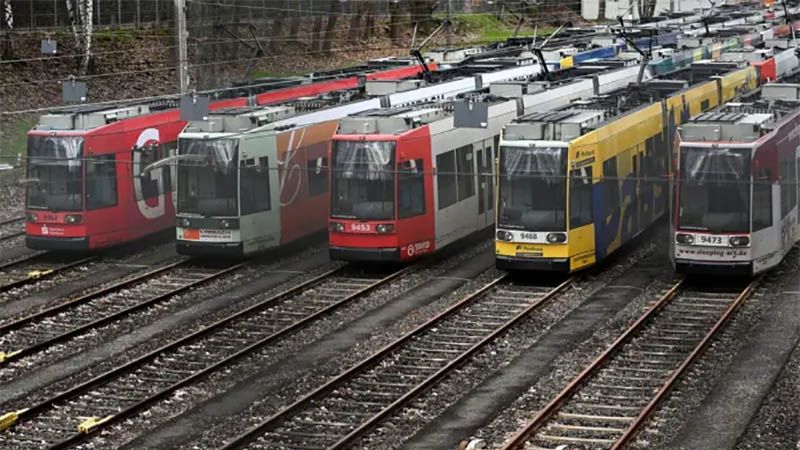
{"x":533,"y":193}
{"x":207,"y":179}
{"x":714,"y":190}
{"x":55,"y":168}
{"x":363,"y":180}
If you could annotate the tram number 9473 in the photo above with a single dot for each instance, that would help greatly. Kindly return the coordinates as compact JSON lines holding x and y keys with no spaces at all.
{"x":705,"y":239}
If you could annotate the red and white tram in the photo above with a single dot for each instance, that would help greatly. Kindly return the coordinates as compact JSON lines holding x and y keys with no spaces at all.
{"x":735,"y":202}
{"x":86,"y":188}
{"x":250,"y":179}
{"x":406,"y":182}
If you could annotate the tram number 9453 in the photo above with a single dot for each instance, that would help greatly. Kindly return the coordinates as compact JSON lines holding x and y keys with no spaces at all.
{"x":360,"y":227}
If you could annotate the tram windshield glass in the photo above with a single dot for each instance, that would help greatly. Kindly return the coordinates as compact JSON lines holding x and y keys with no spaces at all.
{"x":363,"y":180}
{"x":55,"y":169}
{"x":533,"y":194}
{"x":714,"y":190}
{"x":207,"y":177}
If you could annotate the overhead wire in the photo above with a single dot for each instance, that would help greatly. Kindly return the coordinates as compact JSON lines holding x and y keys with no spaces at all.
{"x":251,"y":58}
{"x":313,"y":13}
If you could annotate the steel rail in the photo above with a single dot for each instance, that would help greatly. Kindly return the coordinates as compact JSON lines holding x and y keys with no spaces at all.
{"x":12,"y":220}
{"x":85,"y":432}
{"x":631,"y":431}
{"x":69,"y":303}
{"x":5,"y":237}
{"x":372,"y":360}
{"x":13,"y":234}
{"x":6,"y":358}
{"x":537,"y":422}
{"x":14,"y":262}
{"x":36,"y":275}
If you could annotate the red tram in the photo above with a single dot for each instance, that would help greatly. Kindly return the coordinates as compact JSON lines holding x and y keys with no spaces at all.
{"x":86,"y":186}
{"x":735,"y":202}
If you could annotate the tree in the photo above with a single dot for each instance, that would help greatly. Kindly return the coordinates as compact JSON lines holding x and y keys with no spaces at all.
{"x":422,"y":13}
{"x":82,"y":29}
{"x":357,"y":9}
{"x":7,"y":24}
{"x":330,"y":29}
{"x":394,"y":18}
{"x":316,"y":30}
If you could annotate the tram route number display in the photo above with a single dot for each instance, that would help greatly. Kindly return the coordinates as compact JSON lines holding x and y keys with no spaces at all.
{"x":710,"y":240}
{"x":359,"y":227}
{"x":193,"y":234}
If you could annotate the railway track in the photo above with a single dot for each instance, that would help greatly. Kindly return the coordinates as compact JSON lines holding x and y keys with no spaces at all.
{"x":9,"y":228}
{"x":608,"y":402}
{"x":74,"y":414}
{"x":35,"y":267}
{"x":42,"y":330}
{"x":342,"y":410}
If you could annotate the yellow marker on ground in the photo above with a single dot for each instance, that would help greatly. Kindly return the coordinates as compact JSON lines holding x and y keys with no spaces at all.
{"x":4,"y":356}
{"x":38,"y":273}
{"x":87,"y":425}
{"x":7,"y":420}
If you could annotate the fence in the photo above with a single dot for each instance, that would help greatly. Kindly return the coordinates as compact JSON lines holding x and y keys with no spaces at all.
{"x":132,"y":13}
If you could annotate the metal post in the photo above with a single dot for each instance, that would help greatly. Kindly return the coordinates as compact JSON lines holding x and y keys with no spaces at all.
{"x":119,"y":13}
{"x":99,"y":21}
{"x":182,"y":35}
{"x":158,"y":14}
{"x":449,"y":20}
{"x":138,"y":13}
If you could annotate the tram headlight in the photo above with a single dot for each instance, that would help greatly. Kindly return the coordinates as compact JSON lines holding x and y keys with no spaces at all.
{"x":225,"y":224}
{"x":739,"y":241}
{"x":683,"y":238}
{"x":385,"y":228}
{"x":72,"y":219}
{"x":556,"y":238}
{"x":504,"y":236}
{"x":31,"y":217}
{"x":336,"y":227}
{"x":186,"y":223}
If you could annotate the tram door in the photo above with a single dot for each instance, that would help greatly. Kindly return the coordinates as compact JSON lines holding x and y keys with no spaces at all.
{"x":484,"y":154}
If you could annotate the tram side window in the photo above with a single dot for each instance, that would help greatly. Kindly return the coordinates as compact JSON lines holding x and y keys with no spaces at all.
{"x":166,"y":150}
{"x":788,"y":180}
{"x":797,"y":180}
{"x":411,"y":189}
{"x":762,"y":200}
{"x":611,"y":187}
{"x":580,"y":197}
{"x":446,"y":179}
{"x":466,"y":172}
{"x":490,"y":172}
{"x":149,"y":181}
{"x":317,"y":176}
{"x":255,"y":193}
{"x":101,"y":181}
{"x":704,"y":105}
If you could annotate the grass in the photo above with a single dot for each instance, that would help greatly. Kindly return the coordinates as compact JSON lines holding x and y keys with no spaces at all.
{"x":490,"y":28}
{"x":261,"y":73}
{"x":14,"y":138}
{"x":128,"y":34}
